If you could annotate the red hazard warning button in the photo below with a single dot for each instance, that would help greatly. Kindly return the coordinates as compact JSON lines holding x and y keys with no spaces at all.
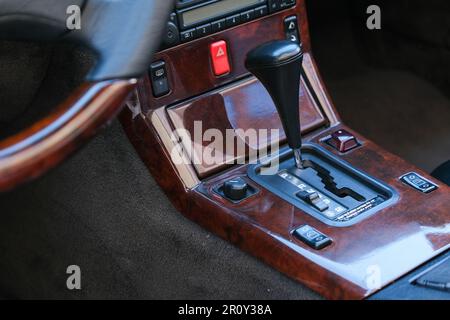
{"x":219,"y":57}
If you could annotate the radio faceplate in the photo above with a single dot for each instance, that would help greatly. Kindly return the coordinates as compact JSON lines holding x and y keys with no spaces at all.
{"x":207,"y":12}
{"x":195,"y":19}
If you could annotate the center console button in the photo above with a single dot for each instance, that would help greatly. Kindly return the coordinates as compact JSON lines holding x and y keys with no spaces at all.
{"x":312,"y":237}
{"x":203,"y":30}
{"x":291,"y":29}
{"x":188,"y":35}
{"x":314,"y":200}
{"x":158,"y":78}
{"x":233,"y":20}
{"x":235,"y":189}
{"x":219,"y":57}
{"x":343,"y":141}
{"x":261,"y":11}
{"x":247,"y":15}
{"x":418,"y":182}
{"x":286,"y":3}
{"x":173,"y":18}
{"x":276,"y":5}
{"x":172,"y":35}
{"x":218,"y":25}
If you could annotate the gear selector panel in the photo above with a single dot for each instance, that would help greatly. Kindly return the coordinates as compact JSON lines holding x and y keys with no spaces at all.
{"x":327,"y":188}
{"x":327,"y":206}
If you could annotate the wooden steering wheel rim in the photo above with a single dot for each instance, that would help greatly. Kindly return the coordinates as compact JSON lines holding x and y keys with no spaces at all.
{"x":47,"y":143}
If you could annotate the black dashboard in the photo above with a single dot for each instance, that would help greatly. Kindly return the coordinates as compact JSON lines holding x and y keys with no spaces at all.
{"x":193,"y":19}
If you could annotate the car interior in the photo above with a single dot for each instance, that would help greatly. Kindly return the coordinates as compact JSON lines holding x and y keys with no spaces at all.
{"x":225,"y":149}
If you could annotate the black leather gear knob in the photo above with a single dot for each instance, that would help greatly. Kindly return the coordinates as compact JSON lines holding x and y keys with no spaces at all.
{"x":278,"y":66}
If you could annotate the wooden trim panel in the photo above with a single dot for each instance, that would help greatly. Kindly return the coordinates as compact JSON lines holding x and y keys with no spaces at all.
{"x":390,"y":243}
{"x":160,"y":123}
{"x":246,"y":106}
{"x":315,"y":82}
{"x":394,"y":241}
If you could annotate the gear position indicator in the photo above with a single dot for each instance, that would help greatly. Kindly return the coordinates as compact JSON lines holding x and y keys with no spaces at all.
{"x":328,"y":207}
{"x":327,"y":188}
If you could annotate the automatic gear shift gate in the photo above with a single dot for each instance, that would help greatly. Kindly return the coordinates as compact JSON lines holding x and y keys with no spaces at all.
{"x":327,"y":188}
{"x":310,"y":178}
{"x":330,"y":184}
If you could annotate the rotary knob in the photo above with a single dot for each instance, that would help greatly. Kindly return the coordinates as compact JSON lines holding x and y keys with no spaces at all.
{"x":236,"y":189}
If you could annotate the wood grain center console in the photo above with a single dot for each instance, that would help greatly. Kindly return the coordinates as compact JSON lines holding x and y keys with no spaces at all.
{"x":185,"y":94}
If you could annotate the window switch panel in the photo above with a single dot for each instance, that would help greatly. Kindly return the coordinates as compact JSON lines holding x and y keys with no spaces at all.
{"x":418,"y":182}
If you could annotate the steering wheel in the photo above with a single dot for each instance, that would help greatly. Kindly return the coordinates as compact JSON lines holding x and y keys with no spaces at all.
{"x":124,"y":35}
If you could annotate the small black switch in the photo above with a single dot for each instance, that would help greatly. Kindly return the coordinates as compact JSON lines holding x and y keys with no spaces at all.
{"x":204,"y":30}
{"x":276,"y":5}
{"x":291,"y":29}
{"x":188,"y":35}
{"x":233,"y":20}
{"x":236,"y":190}
{"x":172,"y":35}
{"x":261,"y":11}
{"x":159,"y":80}
{"x":419,"y":183}
{"x":173,"y":18}
{"x":312,"y":237}
{"x":287,"y":3}
{"x":247,"y":15}
{"x":314,"y":200}
{"x":218,"y":25}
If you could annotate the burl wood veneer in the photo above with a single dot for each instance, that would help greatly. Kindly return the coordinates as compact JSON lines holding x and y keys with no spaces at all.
{"x":390,"y":243}
{"x":246,"y":106}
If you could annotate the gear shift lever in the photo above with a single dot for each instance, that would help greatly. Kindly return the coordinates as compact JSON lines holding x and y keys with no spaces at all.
{"x":277,"y":65}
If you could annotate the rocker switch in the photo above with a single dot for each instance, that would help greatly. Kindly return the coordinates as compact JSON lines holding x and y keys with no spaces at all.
{"x":291,"y":29}
{"x":343,"y":141}
{"x":219,"y":58}
{"x":159,"y":80}
{"x":312,"y":237}
{"x":418,"y":182}
{"x":313,"y":199}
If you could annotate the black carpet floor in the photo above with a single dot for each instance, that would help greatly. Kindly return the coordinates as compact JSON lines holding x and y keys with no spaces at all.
{"x":102,"y":211}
